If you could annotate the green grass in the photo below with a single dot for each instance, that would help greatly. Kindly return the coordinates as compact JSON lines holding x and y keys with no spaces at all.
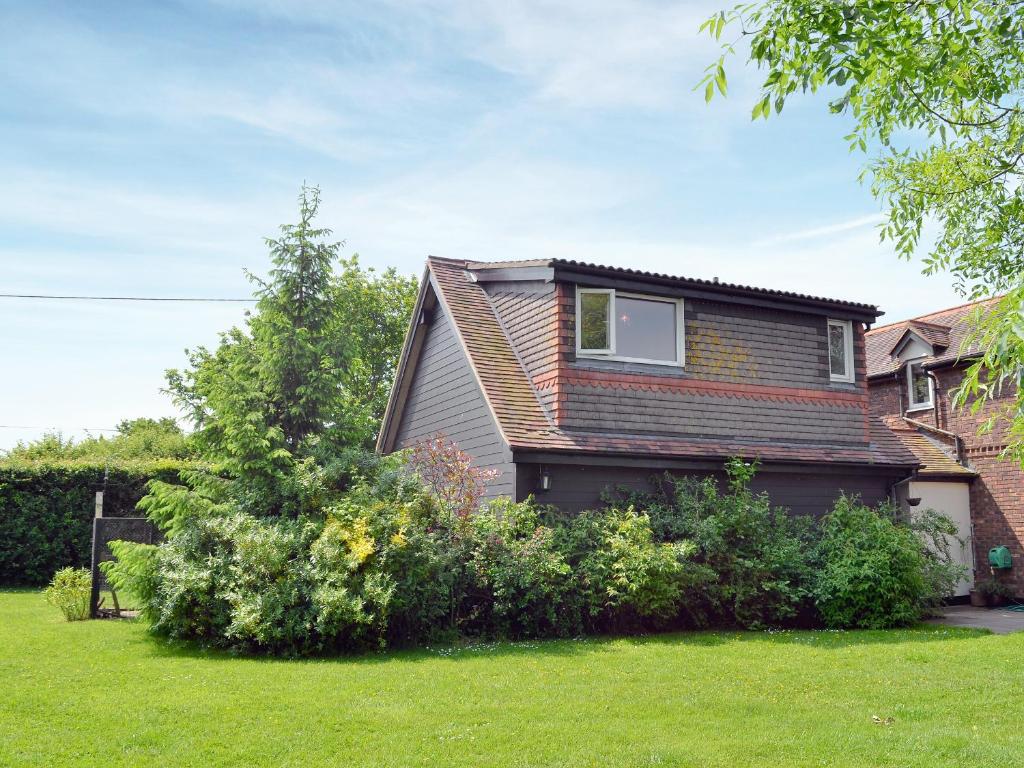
{"x":105,"y":693}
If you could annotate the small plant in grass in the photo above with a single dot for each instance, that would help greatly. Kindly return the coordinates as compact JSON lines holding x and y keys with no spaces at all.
{"x":70,"y":591}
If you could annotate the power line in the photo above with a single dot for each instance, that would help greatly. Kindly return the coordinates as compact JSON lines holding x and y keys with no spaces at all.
{"x":115,"y":298}
{"x":82,"y":429}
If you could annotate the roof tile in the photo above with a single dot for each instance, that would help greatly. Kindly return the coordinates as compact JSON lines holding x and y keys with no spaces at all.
{"x":947,"y":328}
{"x":935,"y":458}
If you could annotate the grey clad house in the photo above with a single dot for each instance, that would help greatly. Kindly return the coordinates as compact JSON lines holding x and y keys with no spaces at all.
{"x":568,"y":378}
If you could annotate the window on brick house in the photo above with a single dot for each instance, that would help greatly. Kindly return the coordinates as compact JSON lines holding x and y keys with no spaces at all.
{"x":919,"y":386}
{"x":638,"y":328}
{"x":840,"y":350}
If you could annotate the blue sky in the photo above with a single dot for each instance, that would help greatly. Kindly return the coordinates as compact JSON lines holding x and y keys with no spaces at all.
{"x":146,"y":149}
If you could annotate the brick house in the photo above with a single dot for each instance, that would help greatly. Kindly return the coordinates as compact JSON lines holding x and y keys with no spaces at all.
{"x":569,"y":378}
{"x":912,"y":368}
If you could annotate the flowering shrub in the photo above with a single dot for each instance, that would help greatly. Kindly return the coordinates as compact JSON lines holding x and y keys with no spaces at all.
{"x":450,"y":475}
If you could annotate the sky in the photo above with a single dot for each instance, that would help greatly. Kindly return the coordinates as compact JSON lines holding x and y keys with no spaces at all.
{"x":146,"y":149}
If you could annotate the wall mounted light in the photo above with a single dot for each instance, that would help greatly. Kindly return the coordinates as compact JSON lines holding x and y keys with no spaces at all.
{"x":545,"y":480}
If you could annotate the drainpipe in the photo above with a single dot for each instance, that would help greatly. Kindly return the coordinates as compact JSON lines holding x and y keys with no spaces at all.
{"x":898,"y":483}
{"x":935,"y":396}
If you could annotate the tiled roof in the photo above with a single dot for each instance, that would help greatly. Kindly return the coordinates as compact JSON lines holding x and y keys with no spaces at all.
{"x":506,"y":388}
{"x":884,"y":448}
{"x":946,"y":328}
{"x":689,"y":281}
{"x":934,"y":333}
{"x":526,"y":426}
{"x":936,"y":459}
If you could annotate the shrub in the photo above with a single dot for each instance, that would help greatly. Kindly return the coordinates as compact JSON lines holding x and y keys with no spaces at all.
{"x":942,"y":571}
{"x":754,"y":559}
{"x":519,"y":580}
{"x":70,"y":591}
{"x":875,"y":573}
{"x":354,"y":569}
{"x":450,"y":475}
{"x":994,"y":589}
{"x":624,"y":579}
{"x":370,"y":554}
{"x":289,"y":587}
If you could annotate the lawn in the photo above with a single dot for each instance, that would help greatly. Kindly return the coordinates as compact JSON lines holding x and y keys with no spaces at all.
{"x":105,"y":693}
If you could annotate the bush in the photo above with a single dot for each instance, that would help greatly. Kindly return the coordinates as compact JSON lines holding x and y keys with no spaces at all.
{"x":520,"y":582}
{"x":325,"y":580}
{"x":624,"y":579}
{"x":71,"y":590}
{"x":942,"y":571}
{"x":752,"y":560}
{"x":380,"y":552}
{"x":877,"y":573}
{"x":389,"y":562}
{"x":47,"y":507}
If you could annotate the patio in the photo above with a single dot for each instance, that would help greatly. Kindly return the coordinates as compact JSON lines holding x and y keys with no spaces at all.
{"x":1001,"y":621}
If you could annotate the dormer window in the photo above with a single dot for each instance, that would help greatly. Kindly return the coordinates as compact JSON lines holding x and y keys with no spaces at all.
{"x":840,"y":350}
{"x":635,"y":328}
{"x":919,"y":384}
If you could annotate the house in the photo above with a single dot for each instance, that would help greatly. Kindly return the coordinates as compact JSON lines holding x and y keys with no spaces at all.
{"x":569,"y":378}
{"x":913,"y":367}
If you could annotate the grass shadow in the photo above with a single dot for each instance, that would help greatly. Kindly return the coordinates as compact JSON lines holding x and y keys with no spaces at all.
{"x":829,"y":640}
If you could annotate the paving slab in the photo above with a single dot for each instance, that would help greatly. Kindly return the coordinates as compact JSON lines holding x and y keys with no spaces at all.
{"x":999,"y":620}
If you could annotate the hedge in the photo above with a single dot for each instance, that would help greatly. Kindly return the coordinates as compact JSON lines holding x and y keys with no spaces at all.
{"x":46,"y":510}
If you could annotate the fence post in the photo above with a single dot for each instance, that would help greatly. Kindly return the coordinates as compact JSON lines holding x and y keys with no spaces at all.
{"x":94,"y":597}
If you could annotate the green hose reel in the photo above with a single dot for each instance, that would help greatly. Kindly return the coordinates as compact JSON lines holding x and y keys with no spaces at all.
{"x":999,"y":557}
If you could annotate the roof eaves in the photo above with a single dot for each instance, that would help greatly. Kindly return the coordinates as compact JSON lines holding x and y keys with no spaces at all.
{"x":402,"y":370}
{"x":716,"y":286}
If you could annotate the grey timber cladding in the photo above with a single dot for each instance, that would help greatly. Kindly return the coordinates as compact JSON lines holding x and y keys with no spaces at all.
{"x":575,"y":488}
{"x":445,"y":397}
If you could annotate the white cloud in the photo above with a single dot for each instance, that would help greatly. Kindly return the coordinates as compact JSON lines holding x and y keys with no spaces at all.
{"x":129,"y":213}
{"x":815,"y":233}
{"x":578,"y":53}
{"x":584,"y":54}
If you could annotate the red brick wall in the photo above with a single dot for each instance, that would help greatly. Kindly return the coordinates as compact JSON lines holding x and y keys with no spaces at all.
{"x":885,"y":397}
{"x":997,"y":495}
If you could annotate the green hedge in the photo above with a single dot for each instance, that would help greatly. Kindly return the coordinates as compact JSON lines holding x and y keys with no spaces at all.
{"x":46,"y":511}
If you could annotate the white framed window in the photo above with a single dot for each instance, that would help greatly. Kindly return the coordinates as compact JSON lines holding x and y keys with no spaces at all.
{"x":631,"y":327}
{"x":919,"y":386}
{"x":840,"y":350}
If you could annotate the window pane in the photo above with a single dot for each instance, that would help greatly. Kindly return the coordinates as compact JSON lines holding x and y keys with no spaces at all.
{"x":920,"y":391}
{"x":645,"y":329}
{"x":594,"y":320}
{"x":837,"y":349}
